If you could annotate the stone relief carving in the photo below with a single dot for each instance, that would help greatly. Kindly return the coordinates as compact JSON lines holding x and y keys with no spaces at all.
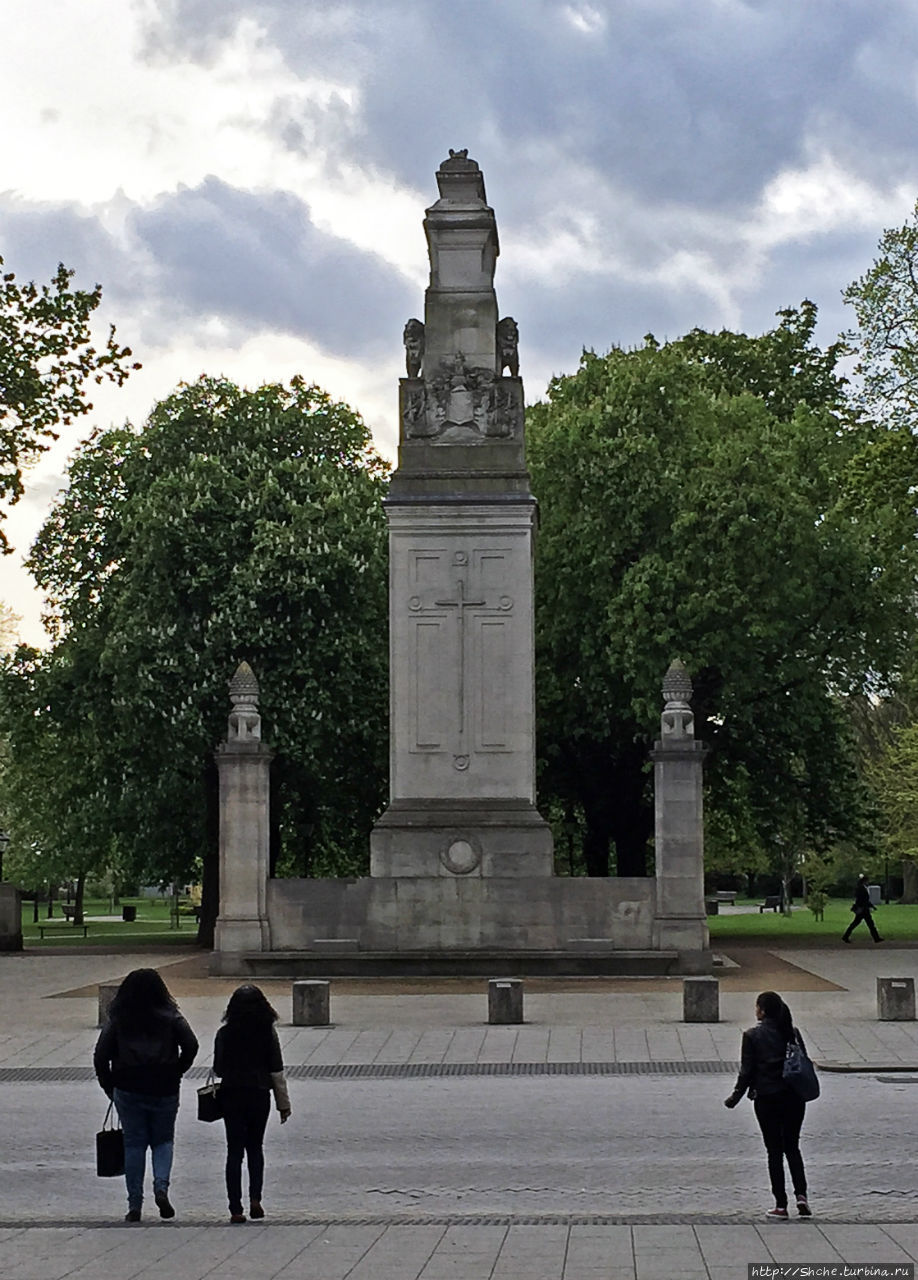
{"x":413,"y":337}
{"x":461,"y":404}
{"x":508,"y":341}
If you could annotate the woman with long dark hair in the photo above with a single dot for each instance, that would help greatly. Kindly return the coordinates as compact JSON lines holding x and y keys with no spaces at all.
{"x":778,"y":1108}
{"x":144,"y":1049}
{"x":247,"y":1057}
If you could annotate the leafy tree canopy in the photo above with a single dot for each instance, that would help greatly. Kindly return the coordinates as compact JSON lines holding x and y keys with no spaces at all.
{"x":715,"y":499}
{"x":46,"y":361}
{"x":236,"y":524}
{"x":885,"y":300}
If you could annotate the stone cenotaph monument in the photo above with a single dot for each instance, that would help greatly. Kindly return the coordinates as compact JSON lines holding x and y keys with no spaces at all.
{"x":461,"y":870}
{"x":461,"y":518}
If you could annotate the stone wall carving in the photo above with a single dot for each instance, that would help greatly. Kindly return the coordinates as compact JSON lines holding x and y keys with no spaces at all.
{"x":461,"y":404}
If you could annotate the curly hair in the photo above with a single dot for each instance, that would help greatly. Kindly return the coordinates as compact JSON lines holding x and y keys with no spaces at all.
{"x":141,"y":999}
{"x":249,"y":1007}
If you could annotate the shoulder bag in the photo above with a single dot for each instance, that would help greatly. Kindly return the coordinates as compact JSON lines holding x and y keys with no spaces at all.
{"x":799,"y":1071}
{"x":210,"y":1107}
{"x":110,"y":1148}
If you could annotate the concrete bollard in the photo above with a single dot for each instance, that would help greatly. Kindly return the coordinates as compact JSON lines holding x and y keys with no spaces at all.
{"x":311,"y":1003}
{"x":700,"y":1000}
{"x":107,"y":993}
{"x":896,"y":999}
{"x":505,"y":1001}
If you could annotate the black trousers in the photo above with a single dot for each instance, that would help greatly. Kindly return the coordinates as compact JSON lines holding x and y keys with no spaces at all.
{"x":245,"y":1117}
{"x":780,"y":1117}
{"x":866,"y":916}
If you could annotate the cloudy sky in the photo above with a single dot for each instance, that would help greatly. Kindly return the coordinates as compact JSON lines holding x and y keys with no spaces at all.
{"x":247,"y":178}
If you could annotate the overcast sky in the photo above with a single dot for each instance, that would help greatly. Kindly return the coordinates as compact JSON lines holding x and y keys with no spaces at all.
{"x":247,"y":178}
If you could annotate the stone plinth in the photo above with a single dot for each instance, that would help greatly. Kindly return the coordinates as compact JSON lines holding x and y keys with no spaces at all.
{"x":243,"y":765}
{"x":107,"y":993}
{"x":896,"y":999}
{"x":700,"y":1000}
{"x":505,"y":1001}
{"x":10,"y":918}
{"x":679,"y":826}
{"x":311,"y":1004}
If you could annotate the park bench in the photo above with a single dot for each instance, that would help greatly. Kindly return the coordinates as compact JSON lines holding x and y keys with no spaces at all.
{"x":57,"y":927}
{"x":726,"y":895}
{"x":773,"y":901}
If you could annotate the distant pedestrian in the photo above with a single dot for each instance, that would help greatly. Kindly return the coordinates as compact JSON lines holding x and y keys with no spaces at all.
{"x":144,"y":1049}
{"x":778,"y":1108}
{"x":863,"y":910}
{"x":247,"y":1057}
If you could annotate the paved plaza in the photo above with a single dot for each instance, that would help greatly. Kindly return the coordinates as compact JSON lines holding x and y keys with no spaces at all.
{"x":438,"y":1093}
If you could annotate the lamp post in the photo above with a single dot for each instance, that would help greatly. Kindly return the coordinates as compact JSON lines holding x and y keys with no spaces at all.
{"x":4,"y":841}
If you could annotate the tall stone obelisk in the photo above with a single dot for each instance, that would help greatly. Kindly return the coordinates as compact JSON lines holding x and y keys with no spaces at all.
{"x":461,"y":520}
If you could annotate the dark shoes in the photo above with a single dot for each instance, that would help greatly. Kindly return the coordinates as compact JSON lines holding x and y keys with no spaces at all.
{"x":845,"y":938}
{"x":803,"y":1207}
{"x":132,"y":1215}
{"x":162,"y":1203}
{"x":237,"y":1217}
{"x":255,"y":1209}
{"x":879,"y":939}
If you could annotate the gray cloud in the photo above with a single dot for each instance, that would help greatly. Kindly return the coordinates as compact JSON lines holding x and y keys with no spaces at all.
{"x":256,"y":258}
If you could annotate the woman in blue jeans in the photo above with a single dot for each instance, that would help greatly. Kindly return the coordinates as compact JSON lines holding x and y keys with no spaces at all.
{"x":144,"y":1049}
{"x":247,"y":1057}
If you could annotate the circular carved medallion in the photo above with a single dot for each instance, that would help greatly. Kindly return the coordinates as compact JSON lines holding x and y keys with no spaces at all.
{"x":461,"y":854}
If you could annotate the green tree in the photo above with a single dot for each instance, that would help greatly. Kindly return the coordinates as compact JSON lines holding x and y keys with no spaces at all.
{"x":714,"y":499}
{"x":46,"y":361}
{"x":885,"y":300}
{"x":236,"y":524}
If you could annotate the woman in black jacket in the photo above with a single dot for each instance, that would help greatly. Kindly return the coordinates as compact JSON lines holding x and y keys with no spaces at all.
{"x":144,"y":1049}
{"x":247,"y":1057}
{"x":778,"y":1109}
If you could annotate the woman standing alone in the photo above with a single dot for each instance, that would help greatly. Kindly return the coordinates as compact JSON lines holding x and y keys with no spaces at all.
{"x":144,"y":1049}
{"x":778,"y":1108}
{"x":247,"y":1057}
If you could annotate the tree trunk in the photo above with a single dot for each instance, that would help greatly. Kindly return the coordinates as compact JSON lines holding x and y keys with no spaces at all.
{"x":210,"y":872}
{"x":909,"y":881}
{"x":78,"y":899}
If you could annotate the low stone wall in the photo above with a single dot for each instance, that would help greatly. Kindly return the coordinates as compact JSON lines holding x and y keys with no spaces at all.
{"x":413,"y":913}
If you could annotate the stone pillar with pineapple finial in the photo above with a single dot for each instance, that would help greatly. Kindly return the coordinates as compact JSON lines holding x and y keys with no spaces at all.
{"x":243,"y":765}
{"x":681,"y":923}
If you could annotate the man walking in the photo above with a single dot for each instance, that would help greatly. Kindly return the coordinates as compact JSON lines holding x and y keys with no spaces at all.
{"x":863,"y":910}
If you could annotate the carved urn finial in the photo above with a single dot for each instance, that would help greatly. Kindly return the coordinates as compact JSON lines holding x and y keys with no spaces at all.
{"x":677,"y":685}
{"x":244,"y":719}
{"x":677,"y":720}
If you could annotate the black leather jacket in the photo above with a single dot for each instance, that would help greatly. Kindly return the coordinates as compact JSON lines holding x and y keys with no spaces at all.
{"x":761,"y":1071}
{"x":151,"y":1061}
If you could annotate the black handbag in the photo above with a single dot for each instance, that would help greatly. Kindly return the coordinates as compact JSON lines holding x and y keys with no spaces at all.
{"x":799,"y":1072}
{"x":210,"y":1107}
{"x":110,"y":1148}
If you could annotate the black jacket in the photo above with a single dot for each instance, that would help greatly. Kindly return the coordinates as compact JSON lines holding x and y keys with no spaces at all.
{"x":862,"y":904}
{"x":247,"y":1059}
{"x":151,"y":1061}
{"x":762,"y":1061}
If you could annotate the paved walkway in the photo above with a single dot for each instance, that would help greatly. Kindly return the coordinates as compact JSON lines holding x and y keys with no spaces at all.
{"x":48,"y":1007}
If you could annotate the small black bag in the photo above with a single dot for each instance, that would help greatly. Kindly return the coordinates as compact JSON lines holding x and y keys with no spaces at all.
{"x":799,"y":1072}
{"x":210,"y":1107}
{"x":109,"y":1148}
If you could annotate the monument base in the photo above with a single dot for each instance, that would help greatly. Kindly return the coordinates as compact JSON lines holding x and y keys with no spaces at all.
{"x":478,"y":839}
{"x":456,"y":964}
{"x":10,"y":918}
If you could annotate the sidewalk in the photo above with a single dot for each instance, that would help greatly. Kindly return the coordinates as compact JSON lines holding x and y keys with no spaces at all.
{"x":48,"y":1006}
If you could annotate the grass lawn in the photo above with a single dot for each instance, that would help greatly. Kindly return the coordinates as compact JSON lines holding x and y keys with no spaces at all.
{"x":151,"y":926}
{"x":893,"y":922}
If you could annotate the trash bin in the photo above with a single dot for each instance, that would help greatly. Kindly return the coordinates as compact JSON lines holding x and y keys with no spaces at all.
{"x":129,"y":913}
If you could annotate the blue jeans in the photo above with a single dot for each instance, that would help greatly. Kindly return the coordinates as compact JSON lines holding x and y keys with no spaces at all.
{"x":147,"y":1121}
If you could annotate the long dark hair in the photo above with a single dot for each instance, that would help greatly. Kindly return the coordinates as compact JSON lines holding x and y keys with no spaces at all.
{"x":249,"y":1010}
{"x":141,"y":999}
{"x":774,"y":1008}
